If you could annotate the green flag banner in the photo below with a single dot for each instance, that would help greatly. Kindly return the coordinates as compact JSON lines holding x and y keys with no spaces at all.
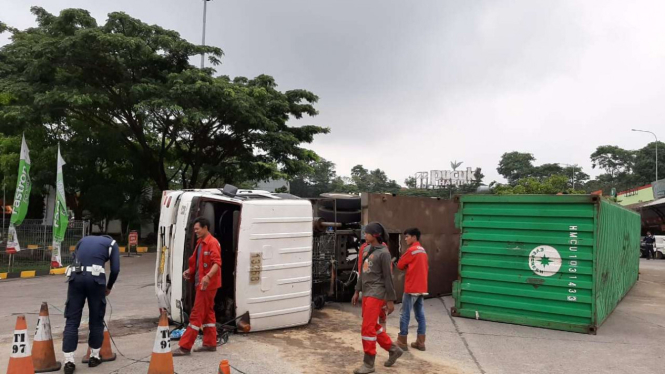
{"x":21,"y":198}
{"x":23,"y":186}
{"x":60,"y":216}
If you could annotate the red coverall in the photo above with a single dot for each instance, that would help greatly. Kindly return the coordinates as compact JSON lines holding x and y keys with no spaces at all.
{"x":203,"y":313}
{"x":372,"y":331}
{"x":382,"y":314}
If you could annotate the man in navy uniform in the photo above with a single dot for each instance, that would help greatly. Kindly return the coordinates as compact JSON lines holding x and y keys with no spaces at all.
{"x":87,"y":280}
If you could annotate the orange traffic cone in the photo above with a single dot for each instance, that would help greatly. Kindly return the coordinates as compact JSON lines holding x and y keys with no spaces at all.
{"x":43,"y":353}
{"x":106,"y":353}
{"x":161,"y":361}
{"x":224,"y":367}
{"x":20,"y":361}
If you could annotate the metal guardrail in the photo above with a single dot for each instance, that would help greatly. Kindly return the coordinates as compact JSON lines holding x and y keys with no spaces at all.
{"x":36,"y":240}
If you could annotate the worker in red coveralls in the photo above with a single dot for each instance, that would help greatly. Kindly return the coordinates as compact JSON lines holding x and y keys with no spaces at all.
{"x":382,"y":315}
{"x":416,"y":264}
{"x":205,"y":271}
{"x":375,"y":281}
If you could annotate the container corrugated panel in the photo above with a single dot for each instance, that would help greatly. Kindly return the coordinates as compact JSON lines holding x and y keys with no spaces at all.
{"x":617,"y":258}
{"x":535,"y":260}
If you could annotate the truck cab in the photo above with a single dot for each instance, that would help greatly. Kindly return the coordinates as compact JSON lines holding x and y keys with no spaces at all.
{"x":266,"y":241}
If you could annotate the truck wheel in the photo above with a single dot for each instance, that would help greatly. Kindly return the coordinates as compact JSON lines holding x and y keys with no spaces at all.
{"x":328,"y":215}
{"x":319,"y":302}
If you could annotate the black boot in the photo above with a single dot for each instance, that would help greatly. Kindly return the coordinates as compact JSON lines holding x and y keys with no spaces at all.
{"x":69,"y":368}
{"x":94,"y":362}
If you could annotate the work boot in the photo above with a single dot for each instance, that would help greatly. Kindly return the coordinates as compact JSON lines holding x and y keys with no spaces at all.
{"x":368,"y":365}
{"x":93,"y":362}
{"x":402,"y":343}
{"x":419,"y":344}
{"x":205,"y":348}
{"x":181,"y":352}
{"x":94,"y":359}
{"x":69,"y":368}
{"x":393,"y":354}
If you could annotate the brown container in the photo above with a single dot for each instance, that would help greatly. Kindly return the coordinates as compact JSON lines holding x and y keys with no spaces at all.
{"x":436,"y":220}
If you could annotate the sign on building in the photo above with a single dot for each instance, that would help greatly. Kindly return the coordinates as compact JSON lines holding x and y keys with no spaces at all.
{"x":443,"y":178}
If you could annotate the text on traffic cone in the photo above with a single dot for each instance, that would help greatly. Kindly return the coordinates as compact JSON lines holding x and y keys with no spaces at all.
{"x":43,"y":352}
{"x":20,"y":360}
{"x":161,"y":361}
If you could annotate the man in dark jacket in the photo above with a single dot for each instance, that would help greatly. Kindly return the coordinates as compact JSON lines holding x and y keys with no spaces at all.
{"x":376,"y":284}
{"x":87,"y":280}
{"x":649,"y":241}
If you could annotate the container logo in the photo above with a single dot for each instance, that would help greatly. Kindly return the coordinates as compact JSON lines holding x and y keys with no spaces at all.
{"x":545,"y":261}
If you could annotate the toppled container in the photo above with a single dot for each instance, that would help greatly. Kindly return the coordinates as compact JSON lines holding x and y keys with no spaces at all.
{"x":436,"y":220}
{"x":557,"y":262}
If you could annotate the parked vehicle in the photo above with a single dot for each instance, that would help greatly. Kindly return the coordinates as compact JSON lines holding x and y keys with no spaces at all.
{"x":266,"y":242}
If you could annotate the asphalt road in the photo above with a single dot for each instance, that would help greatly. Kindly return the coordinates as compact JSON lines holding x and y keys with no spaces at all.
{"x":630,"y":341}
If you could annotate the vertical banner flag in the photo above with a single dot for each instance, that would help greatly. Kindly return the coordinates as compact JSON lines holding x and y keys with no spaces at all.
{"x":21,"y":198}
{"x":60,"y":216}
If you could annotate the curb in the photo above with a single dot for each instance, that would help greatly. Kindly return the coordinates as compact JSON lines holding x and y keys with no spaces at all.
{"x":32,"y":273}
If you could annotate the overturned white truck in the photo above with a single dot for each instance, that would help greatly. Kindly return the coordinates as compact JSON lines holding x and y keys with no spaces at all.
{"x":271,"y":283}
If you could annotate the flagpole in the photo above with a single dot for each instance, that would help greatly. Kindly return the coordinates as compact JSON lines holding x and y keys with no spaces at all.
{"x":4,"y":204}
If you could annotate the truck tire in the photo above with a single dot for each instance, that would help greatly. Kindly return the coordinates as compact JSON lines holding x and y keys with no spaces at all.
{"x":328,"y":215}
{"x":345,"y":202}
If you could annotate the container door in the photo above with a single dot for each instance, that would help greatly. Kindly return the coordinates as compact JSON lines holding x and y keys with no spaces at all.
{"x":436,"y":220}
{"x":274,"y":263}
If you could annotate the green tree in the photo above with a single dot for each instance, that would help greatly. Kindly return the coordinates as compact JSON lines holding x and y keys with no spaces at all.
{"x":372,"y":181}
{"x":645,"y":163}
{"x":478,"y":176}
{"x":315,"y":181}
{"x":614,"y":160}
{"x":547,"y":170}
{"x":551,"y":185}
{"x":360,"y":178}
{"x":581,"y":178}
{"x":135,"y":80}
{"x":410,"y":182}
{"x":516,"y":165}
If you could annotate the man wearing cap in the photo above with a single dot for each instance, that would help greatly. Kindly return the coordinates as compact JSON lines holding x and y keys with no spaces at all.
{"x":376,"y":284}
{"x":87,"y":280}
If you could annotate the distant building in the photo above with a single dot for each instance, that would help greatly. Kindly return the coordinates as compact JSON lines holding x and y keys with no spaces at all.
{"x":636,"y":195}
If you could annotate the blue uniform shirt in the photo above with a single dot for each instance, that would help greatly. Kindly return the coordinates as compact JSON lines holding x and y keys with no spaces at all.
{"x":96,"y":250}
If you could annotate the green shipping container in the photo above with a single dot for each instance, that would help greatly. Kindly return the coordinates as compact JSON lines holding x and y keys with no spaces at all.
{"x":558,"y":262}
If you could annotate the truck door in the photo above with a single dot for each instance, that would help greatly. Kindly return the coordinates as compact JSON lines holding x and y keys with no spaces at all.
{"x":274,"y":263}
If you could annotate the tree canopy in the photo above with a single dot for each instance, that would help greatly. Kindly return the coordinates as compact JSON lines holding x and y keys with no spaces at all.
{"x":515,"y":165}
{"x":133,"y":116}
{"x":134,"y":80}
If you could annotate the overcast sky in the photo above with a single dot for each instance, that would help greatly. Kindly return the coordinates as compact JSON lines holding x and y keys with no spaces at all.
{"x":409,"y":86}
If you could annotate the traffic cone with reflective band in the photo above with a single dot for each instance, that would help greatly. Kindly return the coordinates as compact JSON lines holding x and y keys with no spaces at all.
{"x":20,"y":360}
{"x":224,"y":367}
{"x":106,"y":353}
{"x":43,"y":353}
{"x":161,"y":361}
